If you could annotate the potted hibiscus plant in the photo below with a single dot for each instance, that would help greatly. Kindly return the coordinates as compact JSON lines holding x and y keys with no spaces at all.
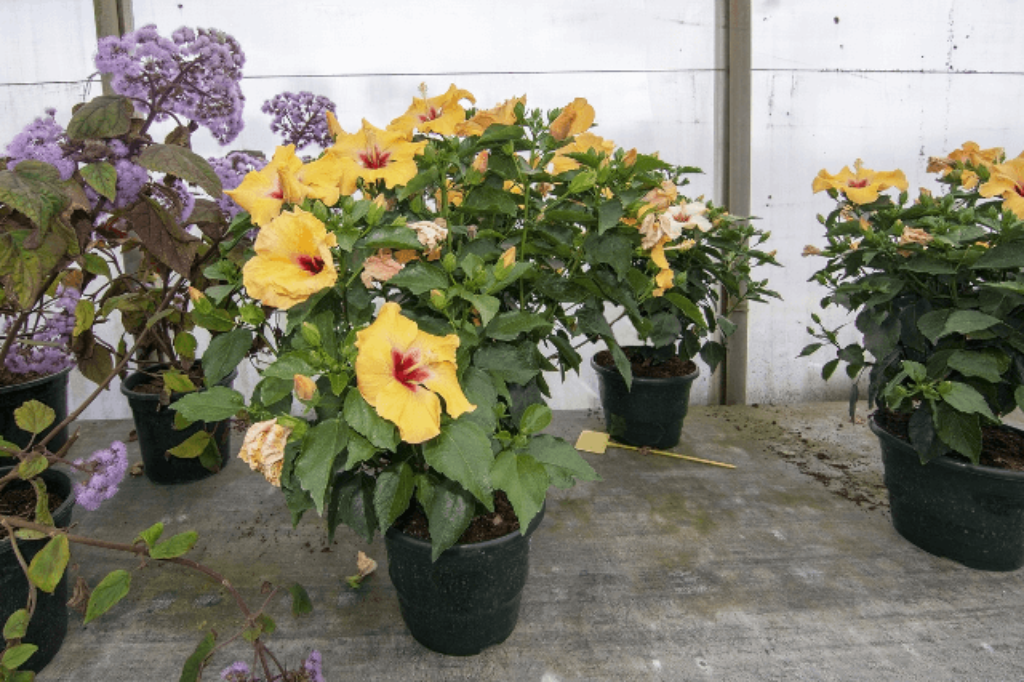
{"x":937,"y":287}
{"x":427,"y":274}
{"x":681,"y":267}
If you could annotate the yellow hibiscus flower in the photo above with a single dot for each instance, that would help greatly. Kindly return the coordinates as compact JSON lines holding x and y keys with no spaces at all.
{"x":262,"y":193}
{"x":374,"y":154}
{"x":575,"y":118}
{"x":293,"y":260}
{"x":583,"y":142}
{"x":441,"y":114}
{"x":1007,"y":180}
{"x":503,"y":114}
{"x":665,"y":279}
{"x":401,"y":371}
{"x":862,"y":186}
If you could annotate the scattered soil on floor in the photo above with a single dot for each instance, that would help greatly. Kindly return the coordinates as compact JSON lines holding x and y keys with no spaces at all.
{"x":19,"y":499}
{"x":499,"y":523}
{"x":1001,"y":447}
{"x":645,"y":367}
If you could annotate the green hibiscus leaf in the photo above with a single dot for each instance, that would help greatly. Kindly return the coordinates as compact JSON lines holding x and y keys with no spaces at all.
{"x":449,"y":512}
{"x":315,"y":466}
{"x":525,"y":482}
{"x":212,"y":405}
{"x":552,"y":451}
{"x":462,"y":452}
{"x":964,"y":398}
{"x":393,"y":493}
{"x":224,"y":353}
{"x":960,"y":431}
{"x":365,"y":420}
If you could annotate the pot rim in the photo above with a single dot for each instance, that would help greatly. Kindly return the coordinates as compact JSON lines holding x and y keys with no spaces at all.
{"x":395,"y":535}
{"x":128,"y":384}
{"x":613,"y":372}
{"x":69,"y":501}
{"x":961,"y":467}
{"x":35,"y":382}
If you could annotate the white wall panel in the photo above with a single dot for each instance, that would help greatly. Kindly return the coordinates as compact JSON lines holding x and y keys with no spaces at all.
{"x":890,"y":83}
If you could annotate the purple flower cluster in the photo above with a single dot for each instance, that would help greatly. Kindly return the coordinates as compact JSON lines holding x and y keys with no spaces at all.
{"x":300,"y":118}
{"x":312,"y":667}
{"x":108,"y":469}
{"x":45,"y":349}
{"x":236,"y":672}
{"x":40,"y":141}
{"x":194,"y":73}
{"x":231,"y":170}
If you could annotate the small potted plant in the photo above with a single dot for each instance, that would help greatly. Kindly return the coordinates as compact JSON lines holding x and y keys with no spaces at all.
{"x":681,"y":267}
{"x":937,"y":289}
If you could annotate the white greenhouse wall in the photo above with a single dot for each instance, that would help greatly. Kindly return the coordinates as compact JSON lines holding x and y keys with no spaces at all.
{"x":888,"y":82}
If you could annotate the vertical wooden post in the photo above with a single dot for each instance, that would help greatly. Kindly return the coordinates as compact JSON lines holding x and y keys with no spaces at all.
{"x":729,"y":386}
{"x":113,"y":18}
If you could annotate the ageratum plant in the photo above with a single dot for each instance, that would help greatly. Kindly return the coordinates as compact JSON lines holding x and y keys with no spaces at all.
{"x":937,"y":288}
{"x":76,"y":204}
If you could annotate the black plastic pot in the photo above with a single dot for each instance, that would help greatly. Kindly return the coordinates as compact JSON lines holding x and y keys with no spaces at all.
{"x":469,"y":598}
{"x":651,"y":413}
{"x":50,"y":622}
{"x":51,"y":391}
{"x":952,"y":508}
{"x":154,"y":425}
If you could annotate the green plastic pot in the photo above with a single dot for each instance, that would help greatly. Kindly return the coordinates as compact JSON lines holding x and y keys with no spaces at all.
{"x":49,"y":624}
{"x":648,"y":414}
{"x":951,"y":508}
{"x":469,"y":598}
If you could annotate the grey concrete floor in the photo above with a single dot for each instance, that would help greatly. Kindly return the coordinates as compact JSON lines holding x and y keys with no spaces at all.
{"x":786,"y":568}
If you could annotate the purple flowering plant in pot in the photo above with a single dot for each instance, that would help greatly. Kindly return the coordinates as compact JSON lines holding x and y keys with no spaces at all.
{"x":104,"y":228}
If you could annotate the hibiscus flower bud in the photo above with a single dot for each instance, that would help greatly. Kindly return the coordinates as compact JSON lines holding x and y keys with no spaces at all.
{"x":305,"y":388}
{"x":480,"y":162}
{"x":508,"y":259}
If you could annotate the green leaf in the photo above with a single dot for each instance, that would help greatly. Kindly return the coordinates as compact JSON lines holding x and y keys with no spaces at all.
{"x":301,"y":603}
{"x":810,"y":349}
{"x":958,"y":430}
{"x":194,"y":663}
{"x":688,"y":307}
{"x":263,"y":625}
{"x":964,"y":398}
{"x":915,"y":370}
{"x":104,"y":116}
{"x":110,"y":590}
{"x":224,"y":353}
{"x":535,"y":418}
{"x":829,"y":368}
{"x":85,"y":315}
{"x":151,"y":534}
{"x":1018,"y":396}
{"x":462,"y":452}
{"x":43,"y":515}
{"x":315,"y":466}
{"x":487,"y":306}
{"x":612,"y":249}
{"x":1002,"y":256}
{"x":977,"y":364}
{"x":31,"y":466}
{"x":352,"y":504}
{"x":193,"y":446}
{"x":178,"y":382}
{"x":363,"y":419}
{"x":102,"y":177}
{"x":212,"y":405}
{"x":940,"y":323}
{"x":400,"y":237}
{"x":555,"y":452}
{"x":513,"y":364}
{"x":449,"y":512}
{"x":524,"y":480}
{"x":176,"y":546}
{"x":609,"y":213}
{"x":17,"y":655}
{"x":486,"y":199}
{"x":508,"y":326}
{"x":418,"y":278}
{"x":48,"y":565}
{"x":96,"y":265}
{"x":393,"y":493}
{"x":16,"y":625}
{"x":34,"y":417}
{"x":181,"y":163}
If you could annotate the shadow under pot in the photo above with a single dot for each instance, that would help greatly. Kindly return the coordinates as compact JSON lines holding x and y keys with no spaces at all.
{"x":972,"y":514}
{"x":154,"y":426}
{"x":52,"y":391}
{"x":649,"y":413}
{"x":469,"y":598}
{"x":49,"y":624}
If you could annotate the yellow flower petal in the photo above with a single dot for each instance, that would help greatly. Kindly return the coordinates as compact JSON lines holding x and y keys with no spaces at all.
{"x":862,"y":186}
{"x":262,"y":192}
{"x":401,"y":370}
{"x":575,"y":118}
{"x":441,"y":114}
{"x":503,"y":114}
{"x":293,"y":260}
{"x":1007,"y":180}
{"x":374,"y":154}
